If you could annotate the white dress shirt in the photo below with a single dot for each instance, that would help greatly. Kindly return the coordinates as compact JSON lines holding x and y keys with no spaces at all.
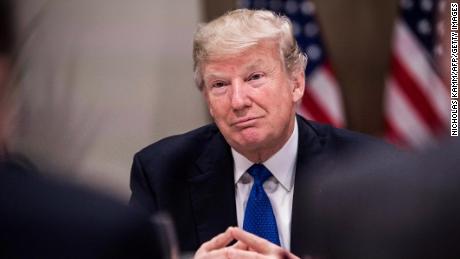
{"x":279,"y":187}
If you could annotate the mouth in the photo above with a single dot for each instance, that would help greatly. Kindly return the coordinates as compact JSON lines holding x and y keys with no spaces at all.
{"x":245,"y":122}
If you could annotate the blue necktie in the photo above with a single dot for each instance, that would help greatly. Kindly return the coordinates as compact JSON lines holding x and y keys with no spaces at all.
{"x":258,"y":217}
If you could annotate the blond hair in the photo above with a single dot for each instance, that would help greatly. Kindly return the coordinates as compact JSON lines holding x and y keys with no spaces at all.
{"x":242,"y":29}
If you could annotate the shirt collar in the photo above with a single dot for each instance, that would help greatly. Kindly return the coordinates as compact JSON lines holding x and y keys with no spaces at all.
{"x":281,"y":164}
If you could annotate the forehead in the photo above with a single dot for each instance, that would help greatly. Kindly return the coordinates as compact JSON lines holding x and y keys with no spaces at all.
{"x":265,"y":55}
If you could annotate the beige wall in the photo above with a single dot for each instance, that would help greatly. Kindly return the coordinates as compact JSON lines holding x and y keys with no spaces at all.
{"x":98,"y":80}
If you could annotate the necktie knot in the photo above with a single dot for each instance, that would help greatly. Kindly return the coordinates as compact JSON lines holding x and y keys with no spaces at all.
{"x":259,"y":173}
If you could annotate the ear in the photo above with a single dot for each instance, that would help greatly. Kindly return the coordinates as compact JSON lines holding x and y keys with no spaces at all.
{"x":298,"y":81}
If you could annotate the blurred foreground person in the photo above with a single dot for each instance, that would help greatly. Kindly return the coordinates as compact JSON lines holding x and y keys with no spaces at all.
{"x":45,"y":219}
{"x":406,"y":208}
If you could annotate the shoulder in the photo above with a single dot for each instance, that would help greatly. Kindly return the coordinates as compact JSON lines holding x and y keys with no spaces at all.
{"x":338,"y":138}
{"x":179,"y":148}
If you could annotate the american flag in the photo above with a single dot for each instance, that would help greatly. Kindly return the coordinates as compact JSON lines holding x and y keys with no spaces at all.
{"x":322,"y":100}
{"x":416,"y":100}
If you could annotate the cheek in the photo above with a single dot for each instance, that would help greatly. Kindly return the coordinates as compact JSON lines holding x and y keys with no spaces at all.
{"x":212,"y":103}
{"x":217,"y":108}
{"x":282,"y":106}
{"x":281,"y":99}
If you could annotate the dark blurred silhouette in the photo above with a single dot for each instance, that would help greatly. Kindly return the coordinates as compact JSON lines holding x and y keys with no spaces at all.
{"x":7,"y":28}
{"x":43,"y":219}
{"x":46,"y":219}
{"x":407,"y":207}
{"x":6,"y":56}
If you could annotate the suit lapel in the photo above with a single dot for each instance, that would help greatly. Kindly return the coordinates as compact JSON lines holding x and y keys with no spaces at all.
{"x":310,"y":152}
{"x":212,"y":190}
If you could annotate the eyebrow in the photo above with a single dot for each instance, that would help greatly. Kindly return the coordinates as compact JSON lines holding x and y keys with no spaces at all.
{"x":214,"y":75}
{"x":251,"y":66}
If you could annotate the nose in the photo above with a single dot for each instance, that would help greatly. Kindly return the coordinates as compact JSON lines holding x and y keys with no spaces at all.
{"x":239,"y":96}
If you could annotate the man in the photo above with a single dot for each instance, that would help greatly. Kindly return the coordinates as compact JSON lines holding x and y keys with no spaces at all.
{"x":251,"y":73}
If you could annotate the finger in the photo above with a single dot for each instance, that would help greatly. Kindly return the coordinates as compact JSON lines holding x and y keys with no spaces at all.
{"x":242,"y":254}
{"x":219,"y":253}
{"x":277,"y":254}
{"x":256,"y":243}
{"x":240,"y":245}
{"x":218,"y":241}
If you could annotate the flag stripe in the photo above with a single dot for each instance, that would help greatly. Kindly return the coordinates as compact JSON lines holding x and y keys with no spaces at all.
{"x":393,"y":135}
{"x":314,"y":109}
{"x":414,"y":58}
{"x":415,"y":96}
{"x":416,"y":101}
{"x":403,"y":117}
{"x":325,"y":90}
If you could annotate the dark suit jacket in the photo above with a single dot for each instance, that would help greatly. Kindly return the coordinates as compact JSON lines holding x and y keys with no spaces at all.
{"x":46,"y":219}
{"x":191,"y":177}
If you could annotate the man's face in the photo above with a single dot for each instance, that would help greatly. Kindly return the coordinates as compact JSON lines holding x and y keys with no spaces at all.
{"x":252,"y":98}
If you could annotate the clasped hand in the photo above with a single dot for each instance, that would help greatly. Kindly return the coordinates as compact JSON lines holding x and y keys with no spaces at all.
{"x":247,"y":246}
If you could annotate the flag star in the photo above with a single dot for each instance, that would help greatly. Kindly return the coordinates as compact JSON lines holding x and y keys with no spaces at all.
{"x":314,"y":52}
{"x":438,"y":50}
{"x":311,"y":29}
{"x":307,"y":7}
{"x":424,"y":27}
{"x":442,"y":6}
{"x":296,"y":28}
{"x":426,"y":5}
{"x":440,"y":28}
{"x":291,"y":7}
{"x":407,"y":4}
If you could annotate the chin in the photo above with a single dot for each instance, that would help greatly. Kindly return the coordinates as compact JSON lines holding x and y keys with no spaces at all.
{"x":250,"y":139}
